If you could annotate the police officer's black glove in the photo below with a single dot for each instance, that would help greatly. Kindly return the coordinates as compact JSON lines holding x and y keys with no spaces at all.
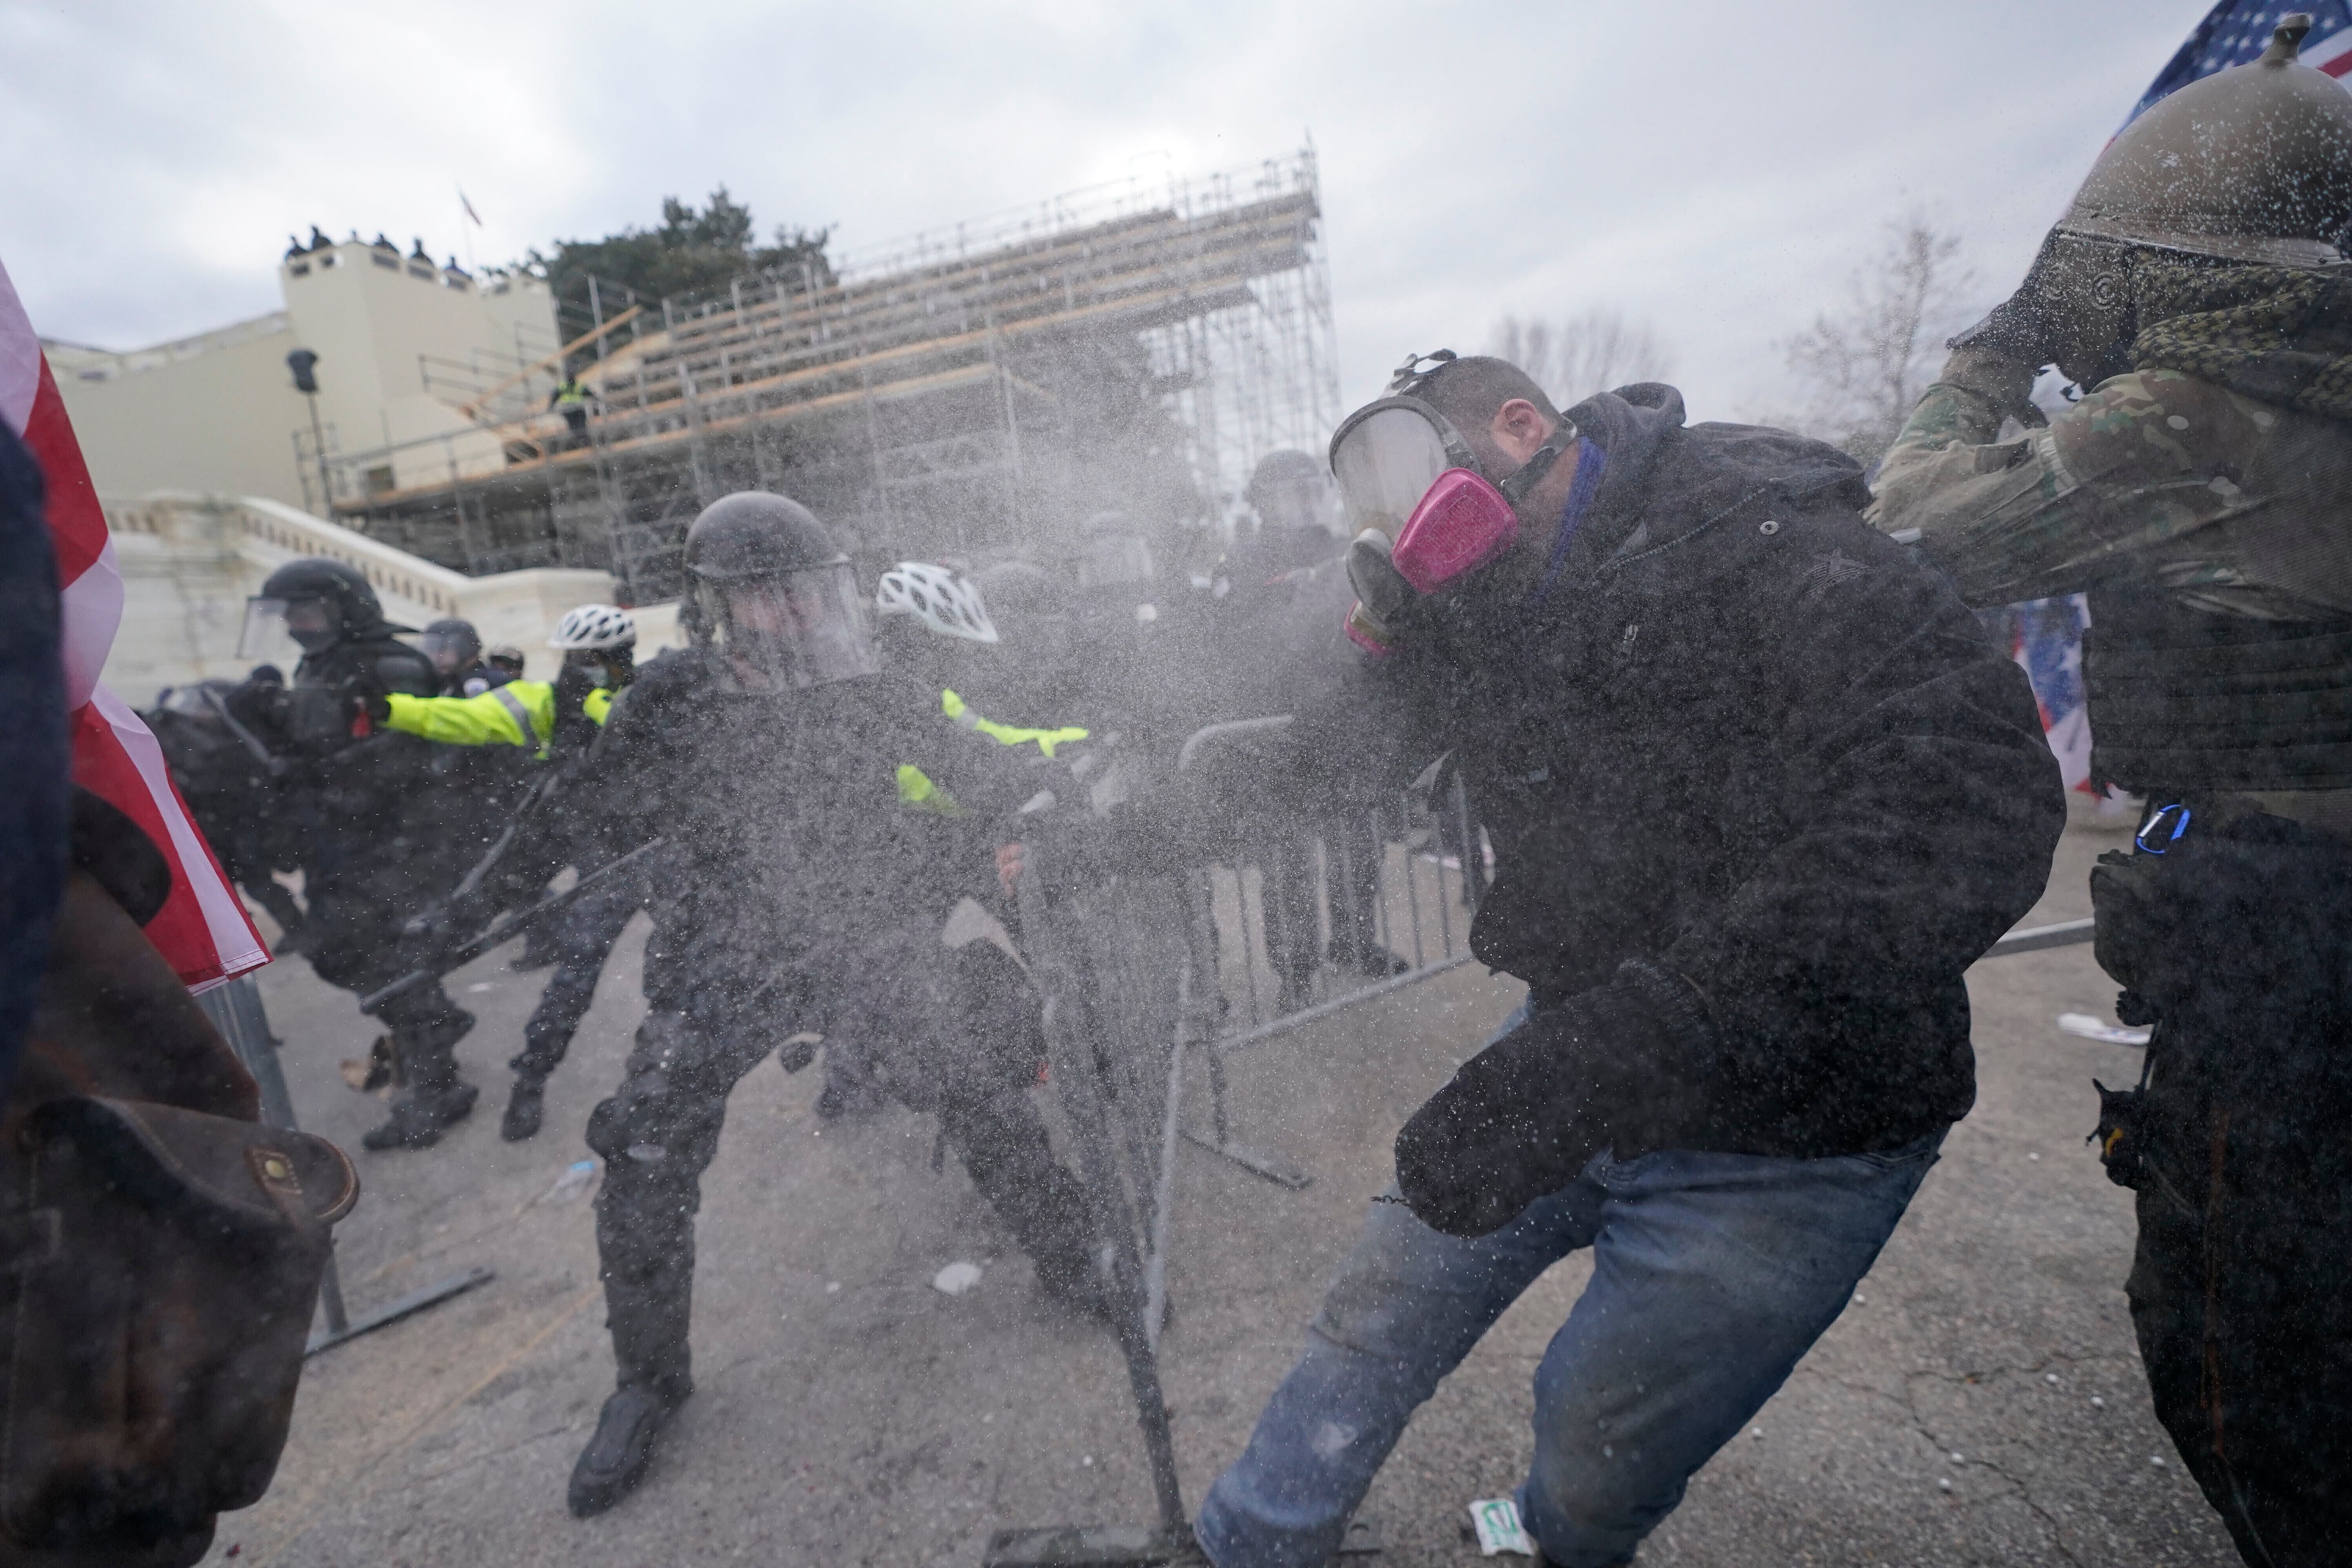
{"x":572,"y":684}
{"x":1525,"y":1116}
{"x":365,"y":701}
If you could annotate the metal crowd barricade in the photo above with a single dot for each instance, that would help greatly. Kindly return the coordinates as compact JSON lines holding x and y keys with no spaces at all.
{"x":236,"y":1010}
{"x":1148,"y":962}
{"x":1304,"y":913}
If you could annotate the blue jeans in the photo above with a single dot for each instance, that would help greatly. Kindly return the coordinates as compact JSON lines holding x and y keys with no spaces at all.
{"x":1712,"y":1275}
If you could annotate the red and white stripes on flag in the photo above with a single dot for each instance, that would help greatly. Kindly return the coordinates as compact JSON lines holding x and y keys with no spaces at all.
{"x":201,"y":928}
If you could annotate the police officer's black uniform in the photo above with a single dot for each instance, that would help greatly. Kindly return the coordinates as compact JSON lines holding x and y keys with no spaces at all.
{"x":818,"y":837}
{"x":359,"y":793}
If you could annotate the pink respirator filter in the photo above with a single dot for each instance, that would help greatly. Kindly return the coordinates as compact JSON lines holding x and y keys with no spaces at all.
{"x":1461,"y":524}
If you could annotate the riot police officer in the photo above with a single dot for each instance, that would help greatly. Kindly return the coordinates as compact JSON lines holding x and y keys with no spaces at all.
{"x":366,"y":868}
{"x":2198,"y":492}
{"x":455,"y":649}
{"x":821,"y":822}
{"x":553,"y":722}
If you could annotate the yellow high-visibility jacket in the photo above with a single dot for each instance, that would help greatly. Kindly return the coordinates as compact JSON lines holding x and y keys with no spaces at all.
{"x":519,"y":713}
{"x":1006,"y":734}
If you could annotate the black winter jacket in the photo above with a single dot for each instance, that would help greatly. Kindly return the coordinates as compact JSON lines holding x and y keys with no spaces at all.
{"x":1755,"y":767}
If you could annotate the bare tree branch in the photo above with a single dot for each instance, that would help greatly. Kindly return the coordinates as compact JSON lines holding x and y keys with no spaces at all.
{"x":1576,"y":357}
{"x":1865,"y":360}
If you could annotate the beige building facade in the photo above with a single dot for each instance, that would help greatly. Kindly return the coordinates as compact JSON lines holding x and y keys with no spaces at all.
{"x":403,"y":346}
{"x":189,"y":562}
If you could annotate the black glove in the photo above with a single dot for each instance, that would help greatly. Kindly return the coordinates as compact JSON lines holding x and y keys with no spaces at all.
{"x":1525,"y":1116}
{"x":572,"y":684}
{"x":364,"y":698}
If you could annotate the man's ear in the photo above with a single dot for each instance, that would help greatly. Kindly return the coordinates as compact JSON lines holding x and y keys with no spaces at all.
{"x":1519,"y":429}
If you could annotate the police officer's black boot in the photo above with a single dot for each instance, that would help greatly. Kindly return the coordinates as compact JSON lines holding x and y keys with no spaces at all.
{"x":649,"y":1298}
{"x":542,"y":1051}
{"x":433,"y":1099}
{"x":1003,"y":1145}
{"x":523,"y":1108}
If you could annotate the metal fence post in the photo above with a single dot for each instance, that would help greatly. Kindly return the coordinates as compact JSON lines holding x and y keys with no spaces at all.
{"x":236,"y":1010}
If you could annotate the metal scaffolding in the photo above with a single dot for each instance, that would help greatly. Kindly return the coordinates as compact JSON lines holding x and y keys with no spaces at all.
{"x":1136,"y":346}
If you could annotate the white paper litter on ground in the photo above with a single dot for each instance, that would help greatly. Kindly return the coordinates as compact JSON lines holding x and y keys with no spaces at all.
{"x":2091,"y":1028}
{"x":1496,"y":1520}
{"x":956,"y":1278}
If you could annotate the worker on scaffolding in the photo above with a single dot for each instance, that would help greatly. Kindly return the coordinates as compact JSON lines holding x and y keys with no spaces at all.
{"x":570,"y":398}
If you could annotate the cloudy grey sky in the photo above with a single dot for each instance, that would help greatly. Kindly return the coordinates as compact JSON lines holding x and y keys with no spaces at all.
{"x":1717,"y":168}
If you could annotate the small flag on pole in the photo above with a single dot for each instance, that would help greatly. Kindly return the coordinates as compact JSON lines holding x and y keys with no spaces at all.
{"x":469,"y":206}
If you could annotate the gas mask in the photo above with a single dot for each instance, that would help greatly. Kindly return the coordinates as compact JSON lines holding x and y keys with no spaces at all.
{"x":1427,"y":518}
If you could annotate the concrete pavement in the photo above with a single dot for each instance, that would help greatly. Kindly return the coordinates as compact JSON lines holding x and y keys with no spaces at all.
{"x":849,"y":1414}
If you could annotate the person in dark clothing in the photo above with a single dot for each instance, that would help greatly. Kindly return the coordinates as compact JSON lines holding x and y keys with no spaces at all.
{"x":1294,"y":518}
{"x":33,"y":694}
{"x":371,"y":857}
{"x":232,"y":784}
{"x":455,"y":649}
{"x":821,"y":821}
{"x":1760,"y":791}
{"x":571,"y":399}
{"x":2196,"y":494}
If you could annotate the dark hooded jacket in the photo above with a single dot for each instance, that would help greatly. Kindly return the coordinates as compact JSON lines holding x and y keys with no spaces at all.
{"x":1755,"y":769}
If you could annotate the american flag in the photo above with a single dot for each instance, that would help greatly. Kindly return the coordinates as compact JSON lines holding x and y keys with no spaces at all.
{"x":2046,"y":636}
{"x":201,"y":928}
{"x":2237,"y":31}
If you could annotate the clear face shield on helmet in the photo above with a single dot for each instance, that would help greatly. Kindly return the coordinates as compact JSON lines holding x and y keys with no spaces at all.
{"x":1113,"y":559}
{"x":280,"y":631}
{"x":791,"y":632}
{"x":449,"y":651}
{"x":1301,"y":501}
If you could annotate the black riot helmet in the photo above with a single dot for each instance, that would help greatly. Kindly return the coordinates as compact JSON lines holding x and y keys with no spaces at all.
{"x":452,"y":645}
{"x":774,"y":595}
{"x":1290,"y":489}
{"x":316,"y":602}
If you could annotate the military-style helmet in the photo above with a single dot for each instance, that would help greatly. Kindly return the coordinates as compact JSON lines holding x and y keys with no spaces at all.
{"x":317,"y":602}
{"x":774,"y":595}
{"x":2252,"y":163}
{"x":2249,"y":164}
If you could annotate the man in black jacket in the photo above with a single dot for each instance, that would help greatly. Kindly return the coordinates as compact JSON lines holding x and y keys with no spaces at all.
{"x":1760,"y":791}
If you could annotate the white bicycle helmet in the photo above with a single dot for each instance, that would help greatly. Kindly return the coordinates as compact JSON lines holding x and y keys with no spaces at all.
{"x":943,"y":602}
{"x":595,"y":626}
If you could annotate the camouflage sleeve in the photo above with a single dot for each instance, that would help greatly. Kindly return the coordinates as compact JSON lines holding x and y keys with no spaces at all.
{"x":2123,"y":486}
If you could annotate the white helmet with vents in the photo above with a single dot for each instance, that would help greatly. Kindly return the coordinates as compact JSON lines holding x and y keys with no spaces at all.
{"x":595,"y":626}
{"x":943,"y":602}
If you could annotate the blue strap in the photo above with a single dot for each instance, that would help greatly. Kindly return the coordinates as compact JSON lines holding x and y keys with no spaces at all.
{"x":1590,"y":461}
{"x":2155,"y":821}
